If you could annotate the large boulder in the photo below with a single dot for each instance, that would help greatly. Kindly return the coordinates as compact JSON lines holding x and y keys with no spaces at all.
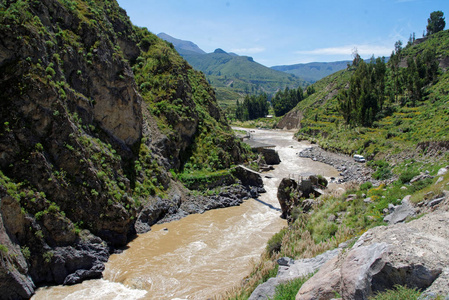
{"x":401,"y":212}
{"x":413,"y":254}
{"x":248,"y":177}
{"x":271,"y":156}
{"x":324,"y":284}
{"x":291,"y":193}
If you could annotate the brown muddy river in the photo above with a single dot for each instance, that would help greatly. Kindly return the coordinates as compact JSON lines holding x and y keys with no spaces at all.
{"x":201,"y":255}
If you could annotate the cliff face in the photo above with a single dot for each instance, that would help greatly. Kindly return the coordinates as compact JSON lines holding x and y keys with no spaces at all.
{"x":94,"y":113}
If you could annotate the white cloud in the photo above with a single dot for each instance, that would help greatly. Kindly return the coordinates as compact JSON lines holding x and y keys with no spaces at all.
{"x":363,"y":50}
{"x":248,"y":50}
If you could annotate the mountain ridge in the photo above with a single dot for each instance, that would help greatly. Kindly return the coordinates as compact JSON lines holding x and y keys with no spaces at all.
{"x":313,"y":71}
{"x":234,"y":76}
{"x":182,"y":46}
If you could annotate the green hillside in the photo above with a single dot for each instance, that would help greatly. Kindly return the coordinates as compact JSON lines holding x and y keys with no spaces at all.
{"x":313,"y":71}
{"x":234,"y":76}
{"x":411,"y":113}
{"x":183,"y":47}
{"x":100,"y":120}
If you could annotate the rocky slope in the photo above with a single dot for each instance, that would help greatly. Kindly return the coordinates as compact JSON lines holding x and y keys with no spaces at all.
{"x":94,"y":113}
{"x":413,"y":254}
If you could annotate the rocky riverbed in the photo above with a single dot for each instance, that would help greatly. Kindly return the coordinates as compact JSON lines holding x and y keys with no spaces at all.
{"x":349,"y":169}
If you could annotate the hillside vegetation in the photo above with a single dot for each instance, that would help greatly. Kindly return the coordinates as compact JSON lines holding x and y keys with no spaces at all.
{"x":98,"y":120}
{"x":406,"y":138}
{"x":314,"y":71}
{"x":408,"y":109}
{"x":241,"y":74}
{"x":232,"y":76}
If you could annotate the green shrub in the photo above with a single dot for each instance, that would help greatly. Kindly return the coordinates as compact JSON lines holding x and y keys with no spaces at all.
{"x":383,"y":170}
{"x":3,"y":249}
{"x":399,"y":293}
{"x":47,"y":256}
{"x":366,"y":186}
{"x":26,"y":252}
{"x":39,"y":147}
{"x":407,"y":176}
{"x":288,"y":291}
{"x":275,"y":243}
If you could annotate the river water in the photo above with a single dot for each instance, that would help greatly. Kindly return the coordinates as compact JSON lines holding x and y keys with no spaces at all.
{"x":200,"y":255}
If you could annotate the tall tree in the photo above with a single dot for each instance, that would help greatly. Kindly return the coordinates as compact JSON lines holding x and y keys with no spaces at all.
{"x":436,"y":22}
{"x":285,"y":100}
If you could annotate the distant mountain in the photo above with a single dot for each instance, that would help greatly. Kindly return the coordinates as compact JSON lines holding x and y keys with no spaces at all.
{"x":183,"y":47}
{"x":313,"y":71}
{"x":234,"y":76}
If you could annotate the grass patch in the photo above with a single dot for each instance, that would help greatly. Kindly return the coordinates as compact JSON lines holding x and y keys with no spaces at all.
{"x":288,"y":291}
{"x":399,"y":293}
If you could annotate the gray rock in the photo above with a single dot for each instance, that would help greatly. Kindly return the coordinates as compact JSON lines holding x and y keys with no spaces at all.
{"x":324,"y":284}
{"x":401,"y":212}
{"x":368,"y":200}
{"x":290,"y":269}
{"x":419,"y":177}
{"x":435,"y":202}
{"x":81,"y":275}
{"x":154,"y":212}
{"x":14,"y":280}
{"x":271,"y":156}
{"x":247,"y":176}
{"x":291,"y":190}
{"x":442,"y":171}
{"x":359,"y":268}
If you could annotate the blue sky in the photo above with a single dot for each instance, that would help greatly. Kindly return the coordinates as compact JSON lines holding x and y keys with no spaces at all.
{"x":285,"y":32}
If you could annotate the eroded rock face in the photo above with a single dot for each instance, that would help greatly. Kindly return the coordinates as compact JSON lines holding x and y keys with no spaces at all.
{"x":14,"y":281}
{"x":292,"y":120}
{"x":75,"y":133}
{"x":248,"y":177}
{"x":413,"y":254}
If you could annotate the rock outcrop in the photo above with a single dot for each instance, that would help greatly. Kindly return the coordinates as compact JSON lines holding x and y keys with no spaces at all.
{"x":291,"y":120}
{"x":95,"y":113}
{"x":292,"y":193}
{"x":248,"y":177}
{"x":290,"y":269}
{"x":413,"y":254}
{"x":401,"y":212}
{"x":15,"y":283}
{"x":270,"y":156}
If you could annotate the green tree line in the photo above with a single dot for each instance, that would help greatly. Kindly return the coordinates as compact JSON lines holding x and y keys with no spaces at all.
{"x":253,"y":107}
{"x":376,"y":88}
{"x":285,"y":100}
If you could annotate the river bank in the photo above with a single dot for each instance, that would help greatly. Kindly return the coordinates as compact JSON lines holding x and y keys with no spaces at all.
{"x":200,"y":255}
{"x":350,"y":170}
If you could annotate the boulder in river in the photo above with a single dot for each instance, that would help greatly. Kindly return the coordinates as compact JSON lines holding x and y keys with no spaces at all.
{"x":291,"y":193}
{"x":248,"y":177}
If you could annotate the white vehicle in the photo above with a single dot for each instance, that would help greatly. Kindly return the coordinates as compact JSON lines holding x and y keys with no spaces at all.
{"x":359,"y":158}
